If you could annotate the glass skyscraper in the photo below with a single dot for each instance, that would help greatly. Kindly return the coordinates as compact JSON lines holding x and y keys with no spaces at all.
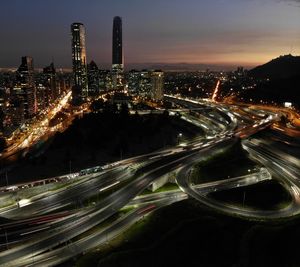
{"x":117,"y":54}
{"x":80,"y":88}
{"x":24,"y":90}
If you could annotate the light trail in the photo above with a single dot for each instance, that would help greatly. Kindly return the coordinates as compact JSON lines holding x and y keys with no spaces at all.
{"x":34,"y":231}
{"x":109,"y":186}
{"x":43,"y":246}
{"x":215,"y":94}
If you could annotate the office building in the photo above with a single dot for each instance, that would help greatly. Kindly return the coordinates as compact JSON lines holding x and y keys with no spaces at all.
{"x":93,"y":78}
{"x":49,"y":81}
{"x":25,"y":73}
{"x":134,"y":78}
{"x":80,"y":87}
{"x":24,"y":89}
{"x":117,"y":55}
{"x":157,"y":83}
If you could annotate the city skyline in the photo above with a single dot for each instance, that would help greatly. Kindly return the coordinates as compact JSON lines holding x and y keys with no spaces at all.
{"x":218,"y":33}
{"x":138,"y":128}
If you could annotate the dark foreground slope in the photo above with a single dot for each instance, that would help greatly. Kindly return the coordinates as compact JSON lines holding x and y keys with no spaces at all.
{"x":99,"y":138}
{"x":187,"y":234}
{"x":279,"y":90}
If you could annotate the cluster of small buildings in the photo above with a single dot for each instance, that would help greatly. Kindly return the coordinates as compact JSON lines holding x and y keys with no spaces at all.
{"x":26,"y":94}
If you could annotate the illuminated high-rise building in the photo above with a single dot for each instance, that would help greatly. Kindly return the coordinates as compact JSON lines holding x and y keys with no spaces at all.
{"x":145,"y":84}
{"x":80,"y":88}
{"x":117,"y":54}
{"x":93,"y":78}
{"x":157,"y":81}
{"x":117,"y":57}
{"x":134,"y":78}
{"x":25,"y":72}
{"x":25,"y":89}
{"x":49,"y":81}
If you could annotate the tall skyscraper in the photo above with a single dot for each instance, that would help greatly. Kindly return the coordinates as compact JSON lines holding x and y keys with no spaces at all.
{"x":80,"y":88}
{"x":117,"y":54}
{"x":117,"y":43}
{"x":25,"y":89}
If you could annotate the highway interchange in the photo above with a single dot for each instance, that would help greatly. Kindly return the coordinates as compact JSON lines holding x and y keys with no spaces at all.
{"x":56,"y":226}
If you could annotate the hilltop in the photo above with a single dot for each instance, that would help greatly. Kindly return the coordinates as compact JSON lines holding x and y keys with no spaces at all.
{"x":277,"y":80}
{"x":281,"y":67}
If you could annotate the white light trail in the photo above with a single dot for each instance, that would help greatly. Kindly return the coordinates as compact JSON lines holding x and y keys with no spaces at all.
{"x":215,"y":94}
{"x":109,"y":186}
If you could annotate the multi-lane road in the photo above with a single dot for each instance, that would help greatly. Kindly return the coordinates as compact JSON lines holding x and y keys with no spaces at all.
{"x":47,"y":231}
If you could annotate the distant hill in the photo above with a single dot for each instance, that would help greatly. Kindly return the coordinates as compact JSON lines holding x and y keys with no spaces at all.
{"x":281,"y":67}
{"x":277,"y":90}
{"x":283,"y":84}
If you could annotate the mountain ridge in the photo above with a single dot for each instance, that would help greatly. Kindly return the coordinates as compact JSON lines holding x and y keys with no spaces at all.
{"x":281,"y":67}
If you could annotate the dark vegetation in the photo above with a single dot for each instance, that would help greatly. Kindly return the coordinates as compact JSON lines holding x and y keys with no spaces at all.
{"x":232,"y":163}
{"x":106,"y":135}
{"x":278,"y":81}
{"x":265,"y":195}
{"x":4,"y":220}
{"x":2,"y":144}
{"x":188,"y":234}
{"x":278,"y":90}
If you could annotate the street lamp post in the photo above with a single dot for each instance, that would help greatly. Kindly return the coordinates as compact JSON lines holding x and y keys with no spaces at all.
{"x":178,"y":138}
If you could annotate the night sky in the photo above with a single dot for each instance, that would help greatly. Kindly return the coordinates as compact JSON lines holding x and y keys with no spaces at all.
{"x":234,"y":32}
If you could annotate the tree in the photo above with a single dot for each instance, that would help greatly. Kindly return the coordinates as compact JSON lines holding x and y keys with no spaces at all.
{"x":2,"y":144}
{"x":97,"y":105}
{"x":165,"y":113}
{"x":124,"y":111}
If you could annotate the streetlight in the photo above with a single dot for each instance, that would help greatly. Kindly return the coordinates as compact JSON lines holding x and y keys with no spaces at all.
{"x":178,"y":138}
